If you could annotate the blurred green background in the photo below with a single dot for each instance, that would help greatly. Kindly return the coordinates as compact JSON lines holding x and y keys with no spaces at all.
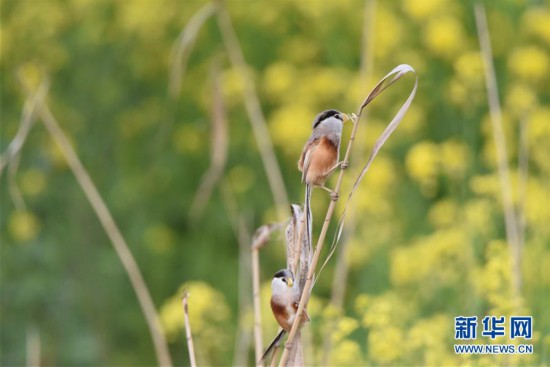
{"x":425,"y":240}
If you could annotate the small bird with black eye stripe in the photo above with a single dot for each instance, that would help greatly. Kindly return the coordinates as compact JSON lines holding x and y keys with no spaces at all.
{"x":320,"y":157}
{"x":285,"y":297}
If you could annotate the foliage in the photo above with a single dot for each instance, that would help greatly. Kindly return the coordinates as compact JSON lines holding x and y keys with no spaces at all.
{"x":429,"y":242}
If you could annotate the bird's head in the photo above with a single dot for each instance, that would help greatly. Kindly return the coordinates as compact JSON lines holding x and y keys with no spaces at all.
{"x":330,"y":117}
{"x":283,"y":280}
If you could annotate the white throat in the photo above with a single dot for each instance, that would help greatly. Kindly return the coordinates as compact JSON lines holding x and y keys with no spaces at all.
{"x":282,"y":294}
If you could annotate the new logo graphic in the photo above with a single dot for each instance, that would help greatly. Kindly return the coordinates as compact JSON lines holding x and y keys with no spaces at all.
{"x":518,"y":327}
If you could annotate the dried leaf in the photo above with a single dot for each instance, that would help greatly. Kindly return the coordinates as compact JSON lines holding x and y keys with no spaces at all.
{"x":219,"y":145}
{"x":384,"y":83}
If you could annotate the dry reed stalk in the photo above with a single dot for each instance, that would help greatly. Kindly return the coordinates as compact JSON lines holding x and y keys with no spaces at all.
{"x":184,"y":45}
{"x":244,"y":333}
{"x":33,"y":347}
{"x":396,"y":74}
{"x":260,"y":239}
{"x":218,"y":148}
{"x":298,"y":247}
{"x":510,"y":219}
{"x":254,"y":111}
{"x":11,"y":156}
{"x":341,"y":268}
{"x":242,"y":234}
{"x":258,"y":338}
{"x":111,"y":229}
{"x":28,"y":118}
{"x":275,"y":356}
{"x":14,"y":191}
{"x":189,"y":336}
{"x":179,"y":57}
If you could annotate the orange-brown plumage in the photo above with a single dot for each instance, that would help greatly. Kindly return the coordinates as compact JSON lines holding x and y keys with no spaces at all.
{"x":281,"y":315}
{"x":318,"y":158}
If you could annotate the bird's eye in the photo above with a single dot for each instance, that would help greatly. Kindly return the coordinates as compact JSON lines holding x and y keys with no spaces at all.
{"x":284,"y":280}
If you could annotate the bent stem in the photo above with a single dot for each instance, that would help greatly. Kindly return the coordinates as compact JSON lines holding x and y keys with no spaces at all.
{"x":114,"y":234}
{"x":306,"y":291}
{"x":384,"y":83}
{"x":258,"y":341}
{"x":342,"y":266}
{"x":254,"y":111}
{"x":495,"y":112}
{"x":188,"y":334}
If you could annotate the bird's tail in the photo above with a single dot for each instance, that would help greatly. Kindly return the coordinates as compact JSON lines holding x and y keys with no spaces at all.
{"x":272,"y":346}
{"x":308,"y":220}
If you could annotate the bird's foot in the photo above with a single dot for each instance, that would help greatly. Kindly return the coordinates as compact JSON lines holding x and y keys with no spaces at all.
{"x":334,"y":196}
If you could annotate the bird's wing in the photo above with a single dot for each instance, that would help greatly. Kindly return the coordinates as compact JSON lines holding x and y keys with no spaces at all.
{"x":307,"y":153}
{"x":305,"y":315}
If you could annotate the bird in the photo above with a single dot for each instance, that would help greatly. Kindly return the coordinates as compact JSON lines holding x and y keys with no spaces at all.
{"x":320,"y":157}
{"x":285,"y":298}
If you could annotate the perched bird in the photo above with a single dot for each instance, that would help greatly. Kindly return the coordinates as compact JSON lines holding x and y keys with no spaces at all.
{"x":320,"y":156}
{"x":285,"y":297}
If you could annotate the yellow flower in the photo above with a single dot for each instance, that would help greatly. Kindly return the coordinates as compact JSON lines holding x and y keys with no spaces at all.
{"x":454,"y":158}
{"x":536,"y":22}
{"x":379,"y":183}
{"x":290,"y":127}
{"x":441,"y":253}
{"x":493,"y":281}
{"x":208,"y":315}
{"x":485,"y":185}
{"x":539,"y":126}
{"x":529,"y":63}
{"x":421,"y":10}
{"x":443,"y":213}
{"x":383,"y":344}
{"x":478,"y":216}
{"x":149,"y":20}
{"x":538,"y":135}
{"x":31,"y":75}
{"x":537,"y":211}
{"x":300,"y":50}
{"x":345,"y":353}
{"x":413,"y":121}
{"x":323,"y":87}
{"x":429,"y":337}
{"x":469,"y":68}
{"x":389,"y":35}
{"x":459,"y":94}
{"x":344,"y":327}
{"x":233,"y":86}
{"x":520,"y":99}
{"x":444,"y":36}
{"x":422,"y":163}
{"x":489,"y":153}
{"x":23,"y":226}
{"x":279,"y":79}
{"x":384,"y":310}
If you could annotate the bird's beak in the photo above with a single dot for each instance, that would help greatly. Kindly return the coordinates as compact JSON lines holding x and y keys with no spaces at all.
{"x":345,"y":117}
{"x":290,"y":282}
